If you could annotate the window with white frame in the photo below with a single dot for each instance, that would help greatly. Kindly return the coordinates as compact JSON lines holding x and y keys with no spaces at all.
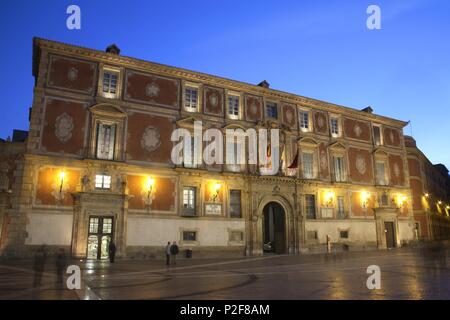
{"x":189,"y":200}
{"x":233,"y":106}
{"x":102,"y":181}
{"x":339,"y":169}
{"x":334,"y":126}
{"x":106,"y":137}
{"x":191,"y":163}
{"x":235,"y":203}
{"x":191,"y":98}
{"x":310,"y":206}
{"x":271,"y":110}
{"x":381,"y":173}
{"x":308,"y":165}
{"x":377,"y":138}
{"x":340,"y":207}
{"x":304,"y":121}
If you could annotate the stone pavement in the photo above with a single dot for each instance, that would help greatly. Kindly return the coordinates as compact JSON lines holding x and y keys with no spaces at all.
{"x":408,"y":273}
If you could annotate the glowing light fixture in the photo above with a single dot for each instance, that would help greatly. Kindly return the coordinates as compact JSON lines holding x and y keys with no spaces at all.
{"x":329,"y":197}
{"x":62,"y":176}
{"x":365,"y":198}
{"x":216,"y":189}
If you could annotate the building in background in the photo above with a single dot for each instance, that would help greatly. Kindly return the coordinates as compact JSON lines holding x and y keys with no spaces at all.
{"x":430,"y":187}
{"x":97,"y":166}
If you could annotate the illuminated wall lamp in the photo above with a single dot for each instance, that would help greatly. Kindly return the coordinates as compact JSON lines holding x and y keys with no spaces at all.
{"x":329,"y":198}
{"x":150,"y":190}
{"x":365,"y":199}
{"x":216,"y":189}
{"x":62,"y":176}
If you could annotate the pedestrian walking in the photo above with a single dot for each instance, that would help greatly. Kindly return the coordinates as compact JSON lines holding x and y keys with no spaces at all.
{"x":112,"y":251}
{"x":168,"y":254}
{"x":61,"y":263}
{"x":173,"y":252}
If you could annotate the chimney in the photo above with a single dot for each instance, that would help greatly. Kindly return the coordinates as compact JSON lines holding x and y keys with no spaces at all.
{"x":264,"y":84}
{"x":368,"y":109}
{"x":113,"y":49}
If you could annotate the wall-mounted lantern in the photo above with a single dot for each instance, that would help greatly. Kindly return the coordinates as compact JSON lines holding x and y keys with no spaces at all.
{"x":150,"y":189}
{"x":216,"y":189}
{"x":62,"y":176}
{"x":365,"y":199}
{"x":329,"y":198}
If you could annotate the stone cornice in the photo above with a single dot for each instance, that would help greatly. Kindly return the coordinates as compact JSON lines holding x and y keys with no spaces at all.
{"x":91,"y":54}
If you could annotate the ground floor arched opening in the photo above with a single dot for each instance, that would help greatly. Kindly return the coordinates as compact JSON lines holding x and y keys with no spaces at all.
{"x":274,"y":228}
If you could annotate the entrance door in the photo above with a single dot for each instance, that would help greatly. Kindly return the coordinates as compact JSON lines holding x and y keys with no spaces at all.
{"x":100,"y":235}
{"x":390,"y":234}
{"x":274,"y":229}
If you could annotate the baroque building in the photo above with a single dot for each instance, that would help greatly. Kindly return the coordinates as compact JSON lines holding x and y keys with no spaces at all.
{"x":97,"y":166}
{"x":430,"y":188}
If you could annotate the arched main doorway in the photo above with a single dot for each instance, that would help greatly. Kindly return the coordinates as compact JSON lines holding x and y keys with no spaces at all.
{"x":274,"y":229}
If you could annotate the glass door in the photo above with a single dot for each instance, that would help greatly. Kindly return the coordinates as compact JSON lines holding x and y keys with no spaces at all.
{"x":100,"y":235}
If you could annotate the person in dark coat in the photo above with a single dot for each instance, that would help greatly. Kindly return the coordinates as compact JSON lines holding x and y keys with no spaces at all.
{"x":173,"y":252}
{"x":168,"y":253}
{"x":39,"y":264}
{"x":112,"y":251}
{"x":61,"y":264}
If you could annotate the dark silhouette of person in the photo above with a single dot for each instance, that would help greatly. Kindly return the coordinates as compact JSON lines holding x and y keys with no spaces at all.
{"x":173,"y":252}
{"x":112,"y":251}
{"x":61,"y":263}
{"x":168,"y":253}
{"x":40,"y":258}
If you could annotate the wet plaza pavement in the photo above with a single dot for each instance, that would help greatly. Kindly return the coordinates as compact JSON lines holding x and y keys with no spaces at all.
{"x":405,"y":274}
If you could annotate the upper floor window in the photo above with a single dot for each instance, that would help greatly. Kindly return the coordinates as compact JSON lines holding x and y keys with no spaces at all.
{"x":109,"y":82}
{"x":377,"y":139}
{"x":235,"y":203}
{"x":308,"y":165}
{"x":334,"y":126}
{"x":192,"y":162}
{"x":310,"y":206}
{"x":191,"y":99}
{"x":381,"y":173}
{"x":339,"y":169}
{"x":102,"y":181}
{"x":305,"y":121}
{"x":189,"y":200}
{"x":271,"y":110}
{"x":340,"y":207}
{"x":233,"y":106}
{"x":106,"y":136}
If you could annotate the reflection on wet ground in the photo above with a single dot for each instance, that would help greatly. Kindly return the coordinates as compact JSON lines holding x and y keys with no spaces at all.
{"x":405,"y":274}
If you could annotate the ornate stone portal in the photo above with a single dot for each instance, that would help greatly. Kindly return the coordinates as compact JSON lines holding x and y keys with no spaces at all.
{"x":89,"y":204}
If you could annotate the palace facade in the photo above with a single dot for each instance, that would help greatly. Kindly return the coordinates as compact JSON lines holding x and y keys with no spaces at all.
{"x":97,"y":166}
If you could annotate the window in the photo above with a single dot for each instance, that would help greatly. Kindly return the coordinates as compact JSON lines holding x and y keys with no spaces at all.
{"x":110,"y":82}
{"x":192,"y":163}
{"x":310,"y":206}
{"x":311,"y":235}
{"x":236,"y":236}
{"x":343,"y":234}
{"x":377,"y":135}
{"x":107,"y":225}
{"x":233,"y":106}
{"x":339,"y":169}
{"x":271,"y":110}
{"x":335,"y":127}
{"x":304,"y":121}
{"x":308,"y":165}
{"x":102,"y":181}
{"x":93,"y":225}
{"x":191,"y":99}
{"x":235,"y":203}
{"x":106,"y":135}
{"x":381,"y":173}
{"x":340,"y":208}
{"x":189,"y":200}
{"x":189,"y":236}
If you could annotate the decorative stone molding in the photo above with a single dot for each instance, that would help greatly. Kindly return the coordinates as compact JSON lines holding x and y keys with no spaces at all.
{"x":151,"y":139}
{"x":361,"y":164}
{"x":64,"y":127}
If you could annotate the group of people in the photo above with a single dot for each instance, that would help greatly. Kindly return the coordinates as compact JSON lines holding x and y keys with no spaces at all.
{"x":171,"y":253}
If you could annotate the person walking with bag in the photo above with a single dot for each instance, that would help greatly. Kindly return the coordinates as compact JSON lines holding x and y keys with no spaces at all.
{"x":173,"y":252}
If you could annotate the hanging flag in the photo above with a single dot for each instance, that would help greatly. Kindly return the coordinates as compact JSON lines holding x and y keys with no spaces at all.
{"x":294,"y":164}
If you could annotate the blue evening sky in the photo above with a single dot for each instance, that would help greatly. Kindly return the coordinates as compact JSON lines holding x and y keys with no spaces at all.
{"x":319,"y":49}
